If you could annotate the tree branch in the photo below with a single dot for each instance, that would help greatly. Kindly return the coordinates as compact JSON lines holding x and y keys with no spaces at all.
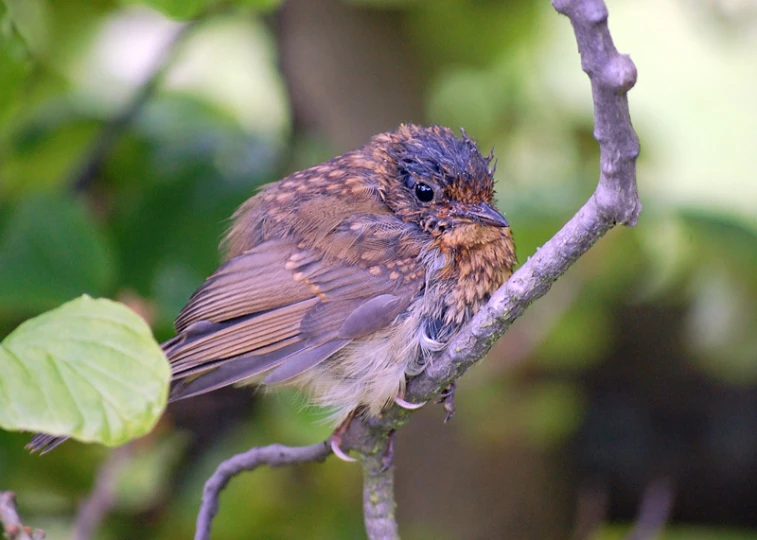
{"x":378,"y":493}
{"x":12,"y":526}
{"x":275,"y":455}
{"x":614,"y":201}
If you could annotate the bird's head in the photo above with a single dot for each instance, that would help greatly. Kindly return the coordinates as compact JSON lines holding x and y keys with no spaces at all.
{"x":441,"y":182}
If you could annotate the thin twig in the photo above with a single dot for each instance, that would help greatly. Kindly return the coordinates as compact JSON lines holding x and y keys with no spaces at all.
{"x":275,"y":455}
{"x":12,"y":526}
{"x":96,"y":506}
{"x":614,"y":201}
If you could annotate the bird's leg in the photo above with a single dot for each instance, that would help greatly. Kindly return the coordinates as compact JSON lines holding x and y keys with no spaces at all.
{"x":447,"y":399}
{"x":335,"y":440}
{"x":388,"y":457}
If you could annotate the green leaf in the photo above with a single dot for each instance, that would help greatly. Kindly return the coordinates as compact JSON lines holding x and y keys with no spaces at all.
{"x":50,"y":252}
{"x":89,"y":369}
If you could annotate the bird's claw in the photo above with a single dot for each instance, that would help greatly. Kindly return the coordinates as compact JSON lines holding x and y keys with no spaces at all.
{"x":407,"y":405}
{"x":388,"y":458}
{"x":334,"y":442}
{"x":447,"y":399}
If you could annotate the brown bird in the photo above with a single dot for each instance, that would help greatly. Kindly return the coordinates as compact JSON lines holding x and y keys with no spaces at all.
{"x":343,"y":279}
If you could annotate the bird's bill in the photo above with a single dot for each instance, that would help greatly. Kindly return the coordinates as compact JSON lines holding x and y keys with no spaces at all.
{"x":485,"y":214}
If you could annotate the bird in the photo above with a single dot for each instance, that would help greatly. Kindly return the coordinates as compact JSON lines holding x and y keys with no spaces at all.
{"x":346,"y":278}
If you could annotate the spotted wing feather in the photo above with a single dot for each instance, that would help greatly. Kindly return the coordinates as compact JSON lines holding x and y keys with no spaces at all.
{"x":282,"y":309}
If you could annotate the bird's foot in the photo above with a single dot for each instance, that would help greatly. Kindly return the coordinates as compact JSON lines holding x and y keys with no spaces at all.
{"x":388,"y":458}
{"x":335,"y":440}
{"x":447,"y":399}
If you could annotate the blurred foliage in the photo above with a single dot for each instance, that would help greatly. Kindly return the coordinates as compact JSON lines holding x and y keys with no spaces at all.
{"x":44,"y":262}
{"x":144,"y":228}
{"x":679,"y":533}
{"x":187,"y":9}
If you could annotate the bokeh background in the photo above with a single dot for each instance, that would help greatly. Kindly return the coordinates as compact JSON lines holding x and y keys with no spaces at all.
{"x":129,"y":134}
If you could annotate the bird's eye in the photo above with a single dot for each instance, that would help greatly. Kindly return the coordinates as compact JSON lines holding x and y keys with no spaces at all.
{"x":424,"y":192}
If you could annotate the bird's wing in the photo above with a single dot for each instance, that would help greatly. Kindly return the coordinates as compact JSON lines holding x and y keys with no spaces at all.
{"x":284,"y":308}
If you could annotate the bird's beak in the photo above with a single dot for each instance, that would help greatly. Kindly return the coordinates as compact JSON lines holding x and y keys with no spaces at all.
{"x":487,"y":215}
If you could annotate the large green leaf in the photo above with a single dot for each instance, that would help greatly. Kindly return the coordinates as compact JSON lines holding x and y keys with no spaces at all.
{"x":51,"y":251}
{"x":89,"y":369}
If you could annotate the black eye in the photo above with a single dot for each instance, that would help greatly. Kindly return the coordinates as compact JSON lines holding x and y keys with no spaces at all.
{"x":423,"y":192}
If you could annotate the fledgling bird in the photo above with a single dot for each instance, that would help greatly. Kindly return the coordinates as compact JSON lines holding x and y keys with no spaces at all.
{"x":344,"y":278}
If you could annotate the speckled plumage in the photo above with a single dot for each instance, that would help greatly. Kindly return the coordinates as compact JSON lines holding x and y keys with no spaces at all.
{"x":341,"y":281}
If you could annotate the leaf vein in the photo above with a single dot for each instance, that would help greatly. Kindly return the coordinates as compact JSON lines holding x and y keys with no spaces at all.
{"x":136,"y":358}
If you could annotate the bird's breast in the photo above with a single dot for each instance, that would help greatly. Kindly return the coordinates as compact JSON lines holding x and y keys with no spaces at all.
{"x":469,"y":276}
